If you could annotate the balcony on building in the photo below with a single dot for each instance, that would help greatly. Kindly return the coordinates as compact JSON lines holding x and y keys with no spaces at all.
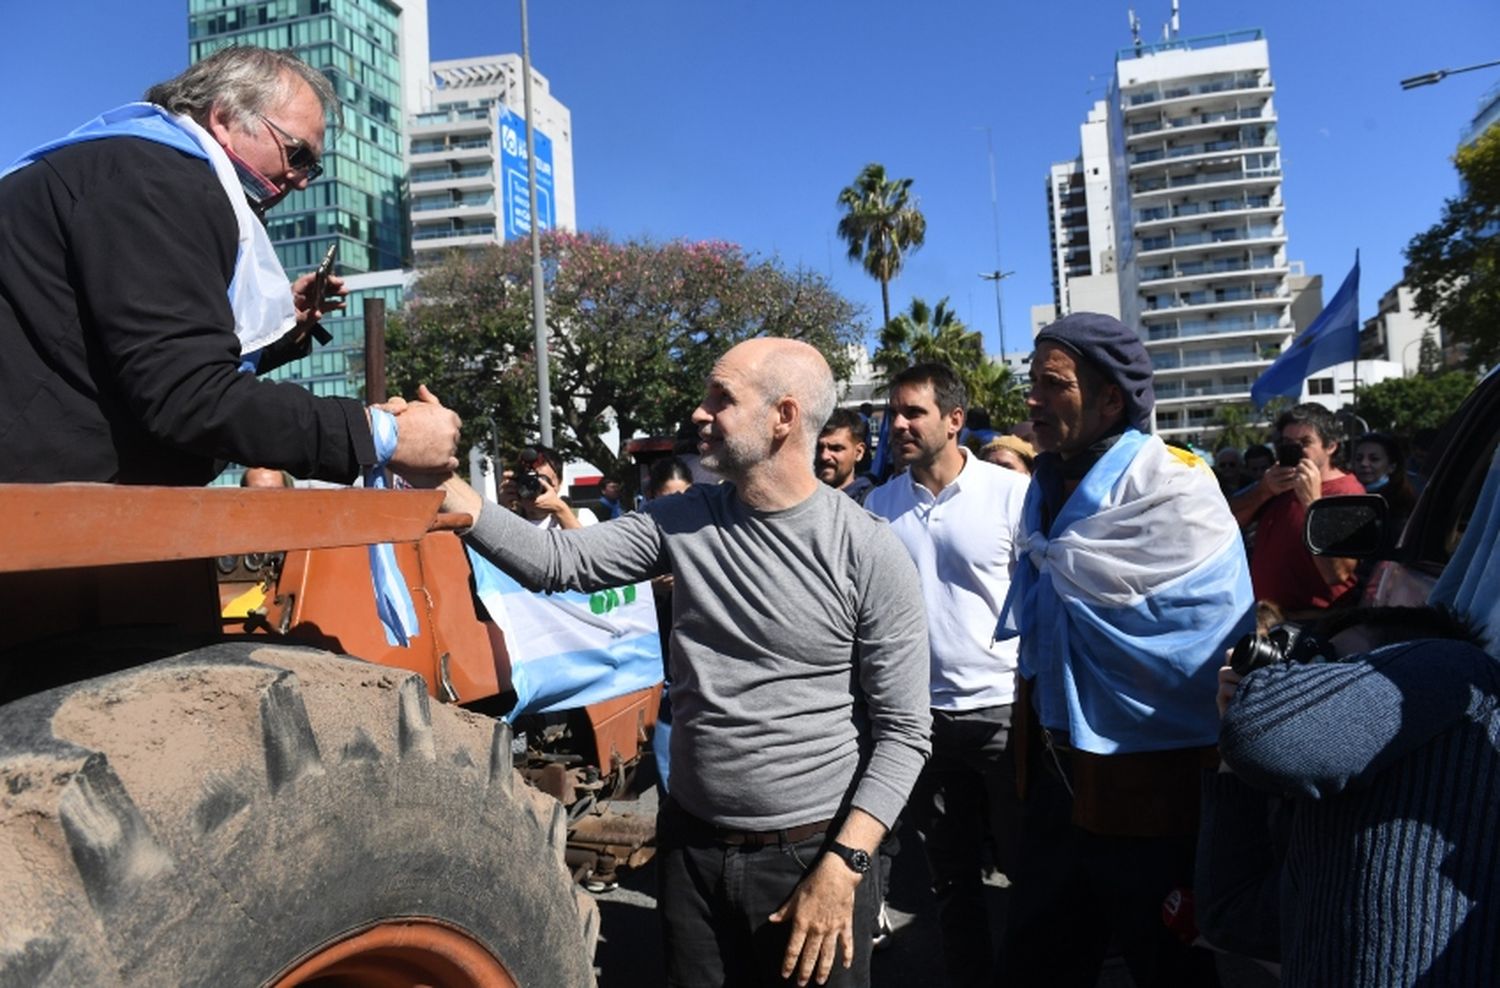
{"x":1249,"y":232}
{"x":1185,"y":209}
{"x":453,"y":120}
{"x":455,"y":148}
{"x":1237,"y":260}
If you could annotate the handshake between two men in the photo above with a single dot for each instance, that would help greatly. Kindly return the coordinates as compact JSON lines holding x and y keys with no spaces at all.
{"x":426,"y":453}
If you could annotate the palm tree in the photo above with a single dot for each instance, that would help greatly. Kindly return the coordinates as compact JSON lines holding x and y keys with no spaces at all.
{"x":881,"y":224}
{"x":927,"y":333}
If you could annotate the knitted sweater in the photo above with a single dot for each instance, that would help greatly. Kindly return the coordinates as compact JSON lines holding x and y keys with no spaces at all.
{"x":1392,"y":875}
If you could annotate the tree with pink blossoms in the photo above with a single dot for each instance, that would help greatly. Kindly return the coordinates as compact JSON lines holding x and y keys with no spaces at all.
{"x":633,"y":329}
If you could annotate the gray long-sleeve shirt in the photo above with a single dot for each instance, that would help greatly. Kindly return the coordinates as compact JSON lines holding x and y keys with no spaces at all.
{"x":799,"y":647}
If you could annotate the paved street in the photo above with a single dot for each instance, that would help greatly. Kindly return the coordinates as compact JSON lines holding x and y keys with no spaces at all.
{"x":630,"y":956}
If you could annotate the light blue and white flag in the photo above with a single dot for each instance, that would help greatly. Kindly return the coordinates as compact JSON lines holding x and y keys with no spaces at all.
{"x":1125,"y":611}
{"x":570,"y":649}
{"x":1333,"y":338}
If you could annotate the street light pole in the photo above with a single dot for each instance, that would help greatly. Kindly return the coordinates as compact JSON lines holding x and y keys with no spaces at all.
{"x":996,"y":276}
{"x":1433,"y":78}
{"x":538,"y":295}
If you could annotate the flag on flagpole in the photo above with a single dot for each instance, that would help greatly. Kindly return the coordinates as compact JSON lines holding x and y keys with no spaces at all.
{"x":1333,"y":338}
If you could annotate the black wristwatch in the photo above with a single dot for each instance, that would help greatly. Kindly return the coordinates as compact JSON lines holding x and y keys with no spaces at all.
{"x":857,"y":860}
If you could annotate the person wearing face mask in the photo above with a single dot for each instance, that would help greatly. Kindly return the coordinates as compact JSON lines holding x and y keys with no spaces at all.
{"x":138,"y":284}
{"x":1379,"y":465}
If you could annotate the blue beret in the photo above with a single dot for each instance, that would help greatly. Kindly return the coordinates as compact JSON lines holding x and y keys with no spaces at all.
{"x":1116,"y":351}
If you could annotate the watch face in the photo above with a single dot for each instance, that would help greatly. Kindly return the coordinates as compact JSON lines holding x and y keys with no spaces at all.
{"x":859,"y":861}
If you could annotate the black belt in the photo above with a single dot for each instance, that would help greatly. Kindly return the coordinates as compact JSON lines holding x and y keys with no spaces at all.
{"x":704,"y":830}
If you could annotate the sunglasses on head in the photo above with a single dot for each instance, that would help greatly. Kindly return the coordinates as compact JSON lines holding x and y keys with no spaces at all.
{"x":299,"y":154}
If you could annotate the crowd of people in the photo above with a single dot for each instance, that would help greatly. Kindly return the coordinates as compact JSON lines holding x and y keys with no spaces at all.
{"x":1020,"y":647}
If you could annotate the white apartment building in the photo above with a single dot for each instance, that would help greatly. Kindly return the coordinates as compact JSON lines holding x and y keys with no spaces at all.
{"x":1080,"y":216}
{"x":467,"y":157}
{"x":1172,"y":218}
{"x":1201,"y":226}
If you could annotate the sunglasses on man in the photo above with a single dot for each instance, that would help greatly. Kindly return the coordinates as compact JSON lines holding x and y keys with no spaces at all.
{"x":299,"y":154}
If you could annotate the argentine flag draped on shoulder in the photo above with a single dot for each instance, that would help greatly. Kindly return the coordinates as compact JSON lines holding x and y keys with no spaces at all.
{"x":1125,"y":609}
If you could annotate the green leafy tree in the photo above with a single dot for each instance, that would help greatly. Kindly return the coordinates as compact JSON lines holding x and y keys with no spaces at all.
{"x":998,"y":390}
{"x":1236,"y":426}
{"x":926,"y":333}
{"x":1403,"y":405}
{"x":881,"y":225}
{"x":1454,"y":267}
{"x":635,"y":328}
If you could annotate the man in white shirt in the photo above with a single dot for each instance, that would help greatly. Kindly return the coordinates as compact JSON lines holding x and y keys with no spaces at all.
{"x":958,"y":515}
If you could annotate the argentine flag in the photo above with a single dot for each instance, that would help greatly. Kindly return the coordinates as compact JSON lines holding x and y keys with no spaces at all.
{"x":1333,"y":338}
{"x":571,"y":649}
{"x":1125,"y":608}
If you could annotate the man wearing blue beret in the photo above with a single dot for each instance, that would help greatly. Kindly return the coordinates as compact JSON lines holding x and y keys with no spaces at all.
{"x":1130,"y":582}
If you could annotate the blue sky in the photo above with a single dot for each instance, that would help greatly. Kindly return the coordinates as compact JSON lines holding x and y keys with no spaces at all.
{"x":741,"y":119}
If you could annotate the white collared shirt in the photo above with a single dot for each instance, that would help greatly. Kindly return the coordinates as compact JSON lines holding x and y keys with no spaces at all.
{"x":962,"y":540}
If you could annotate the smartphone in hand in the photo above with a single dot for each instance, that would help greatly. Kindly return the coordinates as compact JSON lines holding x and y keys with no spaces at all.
{"x":320,"y":288}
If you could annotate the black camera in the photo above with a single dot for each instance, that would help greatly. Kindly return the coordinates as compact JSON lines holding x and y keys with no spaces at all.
{"x":1288,"y":454}
{"x":529,"y":483}
{"x":1285,"y":644}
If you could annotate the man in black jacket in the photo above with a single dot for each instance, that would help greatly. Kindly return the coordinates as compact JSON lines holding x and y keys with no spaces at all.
{"x":137,"y":286}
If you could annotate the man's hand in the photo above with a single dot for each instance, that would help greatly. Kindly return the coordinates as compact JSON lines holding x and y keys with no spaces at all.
{"x":1307,"y":481}
{"x":427,"y":436}
{"x":506,"y":494}
{"x":1278,"y":480}
{"x":302,"y":300}
{"x":460,"y":498}
{"x":1229,"y":681}
{"x":821,"y":907}
{"x":821,"y":911}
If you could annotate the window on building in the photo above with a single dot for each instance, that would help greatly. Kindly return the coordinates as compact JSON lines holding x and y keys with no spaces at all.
{"x":1320,"y":385}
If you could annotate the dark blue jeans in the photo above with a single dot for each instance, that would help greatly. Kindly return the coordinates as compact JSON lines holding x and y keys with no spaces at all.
{"x":715,"y":901}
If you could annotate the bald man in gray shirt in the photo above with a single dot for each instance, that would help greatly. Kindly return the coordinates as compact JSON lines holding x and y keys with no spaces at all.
{"x":799,"y":678}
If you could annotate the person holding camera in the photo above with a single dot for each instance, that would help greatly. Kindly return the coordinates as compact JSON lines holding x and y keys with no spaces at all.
{"x":1346,"y":835}
{"x":1282,"y":570}
{"x":533,"y":490}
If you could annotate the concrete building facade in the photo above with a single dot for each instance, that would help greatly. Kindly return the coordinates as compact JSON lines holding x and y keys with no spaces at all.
{"x":375,"y":54}
{"x":1172,"y":218}
{"x":1201,"y":229}
{"x":1080,"y":213}
{"x":468,"y":182}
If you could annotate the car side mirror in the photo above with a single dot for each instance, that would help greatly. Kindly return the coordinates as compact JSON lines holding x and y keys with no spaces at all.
{"x":1347,"y":525}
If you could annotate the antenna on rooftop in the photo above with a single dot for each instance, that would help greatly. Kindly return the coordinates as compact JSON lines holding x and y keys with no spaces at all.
{"x":1176,"y":18}
{"x":1135,"y":30}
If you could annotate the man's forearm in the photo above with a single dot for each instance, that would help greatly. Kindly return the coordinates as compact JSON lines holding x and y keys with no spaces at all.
{"x":1244,"y":506}
{"x":861,"y":831}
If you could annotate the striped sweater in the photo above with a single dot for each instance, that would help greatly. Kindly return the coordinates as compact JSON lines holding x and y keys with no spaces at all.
{"x":1392,"y":871}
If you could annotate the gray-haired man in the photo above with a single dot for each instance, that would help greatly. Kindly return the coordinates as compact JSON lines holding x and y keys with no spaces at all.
{"x":138,"y":283}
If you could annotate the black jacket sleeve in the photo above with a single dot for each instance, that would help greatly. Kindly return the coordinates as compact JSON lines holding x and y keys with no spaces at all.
{"x":150,"y":242}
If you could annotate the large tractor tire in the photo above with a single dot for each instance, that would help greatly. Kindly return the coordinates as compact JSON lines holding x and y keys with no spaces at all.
{"x":252,"y":814}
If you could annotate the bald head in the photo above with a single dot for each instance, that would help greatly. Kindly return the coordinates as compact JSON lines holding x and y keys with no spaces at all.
{"x":765,"y":403}
{"x":783,"y":369}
